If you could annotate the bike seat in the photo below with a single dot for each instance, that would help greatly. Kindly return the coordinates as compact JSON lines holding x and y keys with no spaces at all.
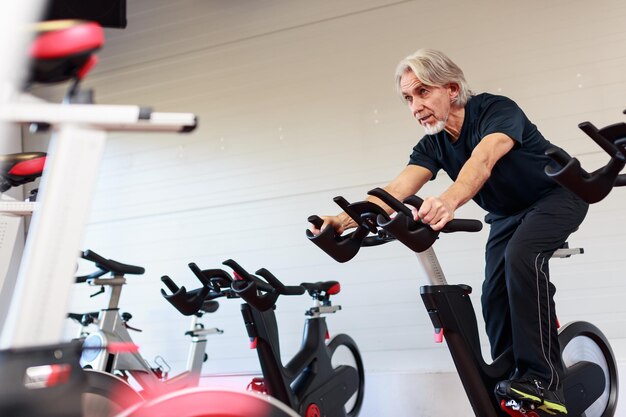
{"x":84,"y":317}
{"x":330,"y":287}
{"x":210,"y":306}
{"x":20,"y":168}
{"x":64,"y":50}
{"x":109,"y":265}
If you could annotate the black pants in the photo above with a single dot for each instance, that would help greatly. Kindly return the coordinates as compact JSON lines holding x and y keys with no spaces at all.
{"x":517,"y":296}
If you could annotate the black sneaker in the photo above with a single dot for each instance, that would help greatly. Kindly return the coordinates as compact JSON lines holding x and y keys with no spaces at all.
{"x":526,"y":391}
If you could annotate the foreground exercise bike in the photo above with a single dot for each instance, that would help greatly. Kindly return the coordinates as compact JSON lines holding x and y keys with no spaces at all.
{"x":590,"y":382}
{"x":325,"y":377}
{"x":40,"y":376}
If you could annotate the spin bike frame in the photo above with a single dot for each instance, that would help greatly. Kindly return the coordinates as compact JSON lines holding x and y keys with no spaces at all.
{"x":308,"y":383}
{"x":450,"y":309}
{"x":113,"y":329}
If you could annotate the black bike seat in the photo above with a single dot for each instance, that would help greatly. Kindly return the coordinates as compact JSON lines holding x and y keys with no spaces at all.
{"x":112,"y":266}
{"x":330,"y":287}
{"x":210,"y":306}
{"x":78,"y":317}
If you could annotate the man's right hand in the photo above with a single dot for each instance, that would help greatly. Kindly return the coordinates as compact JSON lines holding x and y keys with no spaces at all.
{"x":340,"y":223}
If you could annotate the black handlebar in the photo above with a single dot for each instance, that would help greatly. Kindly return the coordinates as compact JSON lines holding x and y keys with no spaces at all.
{"x":188,"y":303}
{"x":247,"y":286}
{"x":414,"y":234}
{"x":597,"y":185}
{"x":215,"y":284}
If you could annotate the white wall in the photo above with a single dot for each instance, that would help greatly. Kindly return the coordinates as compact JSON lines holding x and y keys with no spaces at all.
{"x":297,"y":105}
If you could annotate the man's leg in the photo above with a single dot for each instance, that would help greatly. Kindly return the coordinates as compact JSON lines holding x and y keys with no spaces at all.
{"x":495,"y":297}
{"x":544,"y":228}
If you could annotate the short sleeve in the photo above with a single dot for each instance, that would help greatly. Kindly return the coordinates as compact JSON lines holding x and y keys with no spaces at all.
{"x":424,"y":155}
{"x":503,"y":115}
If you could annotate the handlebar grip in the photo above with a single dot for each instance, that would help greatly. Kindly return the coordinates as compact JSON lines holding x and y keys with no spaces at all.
{"x":390,"y":200}
{"x":198,"y":273}
{"x":279,"y":286}
{"x":415,"y":201}
{"x":620,"y":181}
{"x":169,"y":283}
{"x":340,"y":248}
{"x":187,"y":303}
{"x":463,"y":225}
{"x":110,"y":265}
{"x":247,"y":290}
{"x":316,"y":221}
{"x":246,"y":276}
{"x":598,"y":138}
{"x":218,"y":278}
{"x":558,"y":155}
{"x":342,"y":203}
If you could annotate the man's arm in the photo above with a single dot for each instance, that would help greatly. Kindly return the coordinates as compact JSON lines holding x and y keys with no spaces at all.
{"x":407,"y":183}
{"x":437,"y":211}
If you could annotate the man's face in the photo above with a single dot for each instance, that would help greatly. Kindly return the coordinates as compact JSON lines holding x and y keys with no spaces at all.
{"x":429,"y":105}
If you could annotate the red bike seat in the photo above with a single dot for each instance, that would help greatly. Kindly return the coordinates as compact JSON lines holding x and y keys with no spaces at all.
{"x":20,"y":168}
{"x":64,"y":50}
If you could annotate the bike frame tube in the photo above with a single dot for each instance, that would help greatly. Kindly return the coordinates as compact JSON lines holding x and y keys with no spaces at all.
{"x":291,"y":383}
{"x":54,"y":239}
{"x":450,"y":308}
{"x":263,"y":326}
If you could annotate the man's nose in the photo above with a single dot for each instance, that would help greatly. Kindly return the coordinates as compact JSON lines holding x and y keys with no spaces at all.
{"x":417,"y":106}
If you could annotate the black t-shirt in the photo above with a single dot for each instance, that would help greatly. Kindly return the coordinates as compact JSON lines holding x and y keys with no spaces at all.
{"x":518,"y":178}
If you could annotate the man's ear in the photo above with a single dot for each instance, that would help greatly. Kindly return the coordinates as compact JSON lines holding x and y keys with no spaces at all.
{"x":453,"y":91}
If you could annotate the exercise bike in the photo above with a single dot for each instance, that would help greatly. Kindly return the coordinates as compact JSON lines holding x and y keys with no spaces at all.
{"x":113,"y":328}
{"x":590,"y":380}
{"x":318,"y":380}
{"x":593,"y":187}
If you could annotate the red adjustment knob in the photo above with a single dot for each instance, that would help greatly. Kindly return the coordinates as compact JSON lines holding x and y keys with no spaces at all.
{"x":257,"y":384}
{"x":253,"y":341}
{"x":438,"y":335}
{"x":313,"y":411}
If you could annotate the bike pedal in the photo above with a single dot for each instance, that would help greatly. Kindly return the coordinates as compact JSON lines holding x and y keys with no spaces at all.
{"x":518,"y":409}
{"x":257,"y":385}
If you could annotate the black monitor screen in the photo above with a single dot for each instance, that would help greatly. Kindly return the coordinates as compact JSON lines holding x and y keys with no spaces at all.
{"x":108,"y":13}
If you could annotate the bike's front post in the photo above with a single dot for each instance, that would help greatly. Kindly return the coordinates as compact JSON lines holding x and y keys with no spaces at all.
{"x":54,"y":238}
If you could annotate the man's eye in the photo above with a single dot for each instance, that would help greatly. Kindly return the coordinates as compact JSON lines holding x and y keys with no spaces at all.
{"x":423,"y":91}
{"x":407,"y":99}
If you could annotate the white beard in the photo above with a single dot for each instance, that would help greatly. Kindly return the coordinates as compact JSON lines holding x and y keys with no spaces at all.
{"x":433,"y":129}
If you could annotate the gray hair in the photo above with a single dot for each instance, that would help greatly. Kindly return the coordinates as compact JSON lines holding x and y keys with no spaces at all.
{"x":434,"y":68}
